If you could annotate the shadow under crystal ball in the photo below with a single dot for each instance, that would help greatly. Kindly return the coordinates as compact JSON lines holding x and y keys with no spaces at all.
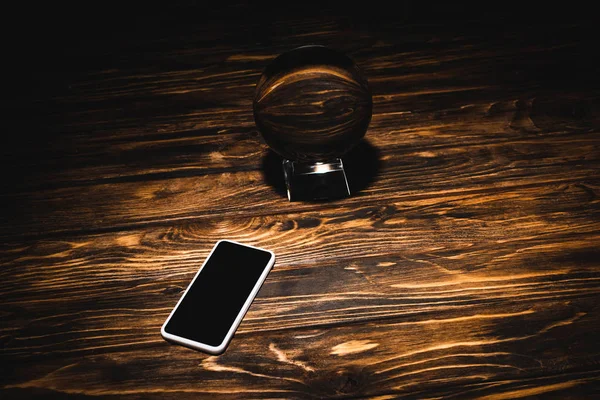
{"x":312,"y":104}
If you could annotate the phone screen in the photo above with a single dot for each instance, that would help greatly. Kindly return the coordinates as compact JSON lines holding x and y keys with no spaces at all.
{"x":215,"y":298}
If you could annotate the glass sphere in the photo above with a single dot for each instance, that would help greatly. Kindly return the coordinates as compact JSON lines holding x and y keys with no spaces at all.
{"x":312,"y":104}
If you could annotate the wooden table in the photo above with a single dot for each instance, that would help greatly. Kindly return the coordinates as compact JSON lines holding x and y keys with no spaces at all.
{"x":466,"y":264}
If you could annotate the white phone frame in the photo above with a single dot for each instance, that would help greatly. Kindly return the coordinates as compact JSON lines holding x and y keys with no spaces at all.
{"x":221,"y":347}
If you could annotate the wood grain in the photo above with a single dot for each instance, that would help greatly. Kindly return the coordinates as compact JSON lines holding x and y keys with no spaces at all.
{"x":465,"y":265}
{"x":430,"y":177}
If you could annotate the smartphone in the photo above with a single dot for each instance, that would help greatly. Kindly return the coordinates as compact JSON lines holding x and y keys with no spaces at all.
{"x":213,"y":305}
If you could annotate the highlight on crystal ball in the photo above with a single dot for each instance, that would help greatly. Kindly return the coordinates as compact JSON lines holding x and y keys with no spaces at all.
{"x":312,"y":104}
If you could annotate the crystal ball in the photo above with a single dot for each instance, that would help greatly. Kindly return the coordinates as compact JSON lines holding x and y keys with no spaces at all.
{"x":312,"y":104}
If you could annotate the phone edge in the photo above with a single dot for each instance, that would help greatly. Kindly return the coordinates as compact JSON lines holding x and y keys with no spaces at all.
{"x":215,"y":350}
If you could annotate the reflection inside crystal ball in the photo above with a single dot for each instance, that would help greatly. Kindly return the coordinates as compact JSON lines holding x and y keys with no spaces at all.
{"x":312,"y":104}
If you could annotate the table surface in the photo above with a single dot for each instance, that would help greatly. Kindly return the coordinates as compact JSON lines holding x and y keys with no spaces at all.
{"x":465,"y":264}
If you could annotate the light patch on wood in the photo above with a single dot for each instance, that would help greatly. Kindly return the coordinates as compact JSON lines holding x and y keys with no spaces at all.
{"x":353,"y":346}
{"x":128,"y":240}
{"x":517,"y":394}
{"x":76,"y":245}
{"x":281,"y":356}
{"x":312,"y":335}
{"x":563,"y":323}
{"x":457,"y":280}
{"x":211,"y":364}
{"x":466,"y":318}
{"x":428,"y":92}
{"x":391,"y":113}
{"x":426,"y":154}
{"x":216,"y":156}
{"x":446,"y":346}
{"x":386,"y":264}
{"x":449,"y":367}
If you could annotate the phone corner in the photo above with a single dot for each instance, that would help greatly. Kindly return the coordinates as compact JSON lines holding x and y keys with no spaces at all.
{"x":217,"y":350}
{"x":164,"y":333}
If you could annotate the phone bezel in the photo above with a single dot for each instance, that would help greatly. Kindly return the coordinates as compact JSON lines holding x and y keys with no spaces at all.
{"x":221,"y":347}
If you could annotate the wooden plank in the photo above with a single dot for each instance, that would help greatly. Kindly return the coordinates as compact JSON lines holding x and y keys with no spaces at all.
{"x":348,"y":265}
{"x":401,"y":358}
{"x":399,"y":175}
{"x":498,"y":349}
{"x":215,"y":146}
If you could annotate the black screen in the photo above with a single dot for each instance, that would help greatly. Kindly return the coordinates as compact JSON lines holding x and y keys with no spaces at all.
{"x":220,"y":290}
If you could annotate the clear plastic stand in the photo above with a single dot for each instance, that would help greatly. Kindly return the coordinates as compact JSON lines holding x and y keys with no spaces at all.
{"x":315,"y":180}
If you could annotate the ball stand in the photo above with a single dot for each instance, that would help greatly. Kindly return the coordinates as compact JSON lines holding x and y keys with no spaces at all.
{"x":315,"y":181}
